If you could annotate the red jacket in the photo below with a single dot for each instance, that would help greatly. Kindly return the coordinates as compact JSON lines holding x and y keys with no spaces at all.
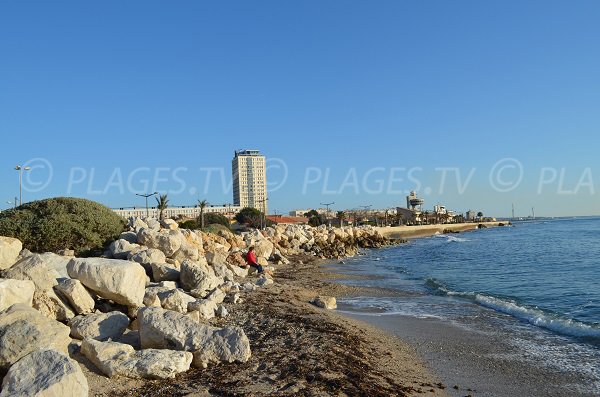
{"x":251,"y":257}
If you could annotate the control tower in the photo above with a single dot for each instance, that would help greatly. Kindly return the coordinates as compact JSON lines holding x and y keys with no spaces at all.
{"x":412,"y":201}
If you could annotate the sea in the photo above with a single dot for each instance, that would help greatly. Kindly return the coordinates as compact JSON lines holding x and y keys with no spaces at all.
{"x":537,"y":281}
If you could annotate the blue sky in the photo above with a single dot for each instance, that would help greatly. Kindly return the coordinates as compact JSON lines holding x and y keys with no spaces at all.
{"x":353,"y":102}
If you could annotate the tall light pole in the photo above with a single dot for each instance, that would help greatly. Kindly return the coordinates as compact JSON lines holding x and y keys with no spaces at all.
{"x":21,"y":169}
{"x":146,"y":196}
{"x":263,"y":217}
{"x":327,"y":213}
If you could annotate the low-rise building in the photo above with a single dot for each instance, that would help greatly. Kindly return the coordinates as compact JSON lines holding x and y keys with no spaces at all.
{"x":173,"y":212}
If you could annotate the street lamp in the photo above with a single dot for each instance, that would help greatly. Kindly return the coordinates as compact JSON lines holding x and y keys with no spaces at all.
{"x":263,"y":218}
{"x":146,"y":196}
{"x":21,"y":169}
{"x":327,"y":213}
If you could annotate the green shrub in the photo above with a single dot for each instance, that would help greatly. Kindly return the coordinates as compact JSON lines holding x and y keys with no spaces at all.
{"x":216,"y":219}
{"x":189,"y":224}
{"x":62,"y":223}
{"x":218,"y":229}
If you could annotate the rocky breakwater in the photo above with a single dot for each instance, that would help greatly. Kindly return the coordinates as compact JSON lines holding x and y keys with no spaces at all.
{"x":144,"y":309}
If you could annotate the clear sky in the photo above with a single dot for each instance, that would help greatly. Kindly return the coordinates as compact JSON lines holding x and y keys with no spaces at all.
{"x":353,"y":102}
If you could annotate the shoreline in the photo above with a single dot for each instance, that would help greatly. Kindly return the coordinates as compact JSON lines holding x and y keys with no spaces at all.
{"x":410,"y":232}
{"x":472,"y":356}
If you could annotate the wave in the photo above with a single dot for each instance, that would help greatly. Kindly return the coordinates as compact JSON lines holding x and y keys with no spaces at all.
{"x":532,"y":315}
{"x":451,"y":239}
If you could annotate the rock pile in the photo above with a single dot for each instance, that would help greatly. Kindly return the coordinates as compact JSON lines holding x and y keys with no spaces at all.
{"x":141,"y":310}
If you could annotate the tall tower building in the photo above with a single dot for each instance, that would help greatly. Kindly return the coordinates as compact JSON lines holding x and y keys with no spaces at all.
{"x":249,"y":180}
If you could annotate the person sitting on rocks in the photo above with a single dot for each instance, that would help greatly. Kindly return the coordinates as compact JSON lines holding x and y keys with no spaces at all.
{"x":251,"y":261}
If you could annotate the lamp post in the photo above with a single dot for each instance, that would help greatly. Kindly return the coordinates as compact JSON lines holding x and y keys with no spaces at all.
{"x":21,"y":169}
{"x":146,"y":196}
{"x":327,"y":213}
{"x":263,"y":219}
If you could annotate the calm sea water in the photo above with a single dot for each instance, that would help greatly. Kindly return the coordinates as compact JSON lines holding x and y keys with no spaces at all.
{"x":540,"y":280}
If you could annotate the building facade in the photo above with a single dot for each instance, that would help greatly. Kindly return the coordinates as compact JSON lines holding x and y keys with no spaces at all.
{"x":174,"y":212}
{"x":249,"y":173}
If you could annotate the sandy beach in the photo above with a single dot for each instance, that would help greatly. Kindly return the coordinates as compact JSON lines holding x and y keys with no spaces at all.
{"x":297,"y":349}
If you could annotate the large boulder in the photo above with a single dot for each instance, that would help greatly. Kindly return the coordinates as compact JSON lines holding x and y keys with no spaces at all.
{"x":33,"y":268}
{"x":263,"y":249}
{"x":121,"y":281}
{"x":78,"y":296}
{"x":198,"y":276}
{"x":148,"y":256}
{"x":15,"y":291}
{"x":325,"y":302}
{"x":114,"y":359}
{"x":164,"y":272}
{"x":9,"y":251}
{"x":57,"y":263}
{"x":121,"y":249}
{"x":52,"y":306}
{"x":45,"y":373}
{"x":101,"y":326}
{"x":204,"y":307}
{"x":168,"y":242}
{"x":175,"y":300}
{"x":165,"y":329}
{"x":24,"y":330}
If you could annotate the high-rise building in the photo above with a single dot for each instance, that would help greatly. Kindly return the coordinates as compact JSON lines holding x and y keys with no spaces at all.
{"x":250,"y":180}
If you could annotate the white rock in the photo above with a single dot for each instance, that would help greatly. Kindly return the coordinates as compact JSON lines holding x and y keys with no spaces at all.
{"x":263,"y":249}
{"x":101,"y":326}
{"x":238,"y":271}
{"x":129,"y":236}
{"x":148,"y":256}
{"x":33,"y":268}
{"x":325,"y":302}
{"x":175,"y":300}
{"x":198,"y":276}
{"x":16,"y":291}
{"x":24,"y":330}
{"x":217,"y":296}
{"x":55,"y":262}
{"x":169,"y":224}
{"x":78,"y":296}
{"x":205,"y":308}
{"x":164,"y":272}
{"x":168,"y":242}
{"x":152,"y":223}
{"x":9,"y":251}
{"x":114,"y":359}
{"x":216,"y":258}
{"x":52,"y":306}
{"x":120,"y":249}
{"x":122,"y":281}
{"x":221,"y":311}
{"x":264,"y":281}
{"x":165,"y":329}
{"x":45,"y":373}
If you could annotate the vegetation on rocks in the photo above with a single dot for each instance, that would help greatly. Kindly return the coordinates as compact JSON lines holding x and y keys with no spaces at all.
{"x":62,"y":223}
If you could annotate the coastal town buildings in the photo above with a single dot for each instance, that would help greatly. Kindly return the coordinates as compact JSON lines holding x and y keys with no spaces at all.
{"x":181,"y":211}
{"x":470,"y":215}
{"x":249,"y":173}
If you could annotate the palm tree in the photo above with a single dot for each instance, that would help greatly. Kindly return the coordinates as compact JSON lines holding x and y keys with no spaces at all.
{"x":480,"y":215}
{"x":341,"y":215}
{"x":202,"y":204}
{"x":162,"y":202}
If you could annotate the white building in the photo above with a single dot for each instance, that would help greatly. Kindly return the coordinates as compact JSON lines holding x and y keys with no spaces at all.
{"x":249,"y":173}
{"x":173,"y":212}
